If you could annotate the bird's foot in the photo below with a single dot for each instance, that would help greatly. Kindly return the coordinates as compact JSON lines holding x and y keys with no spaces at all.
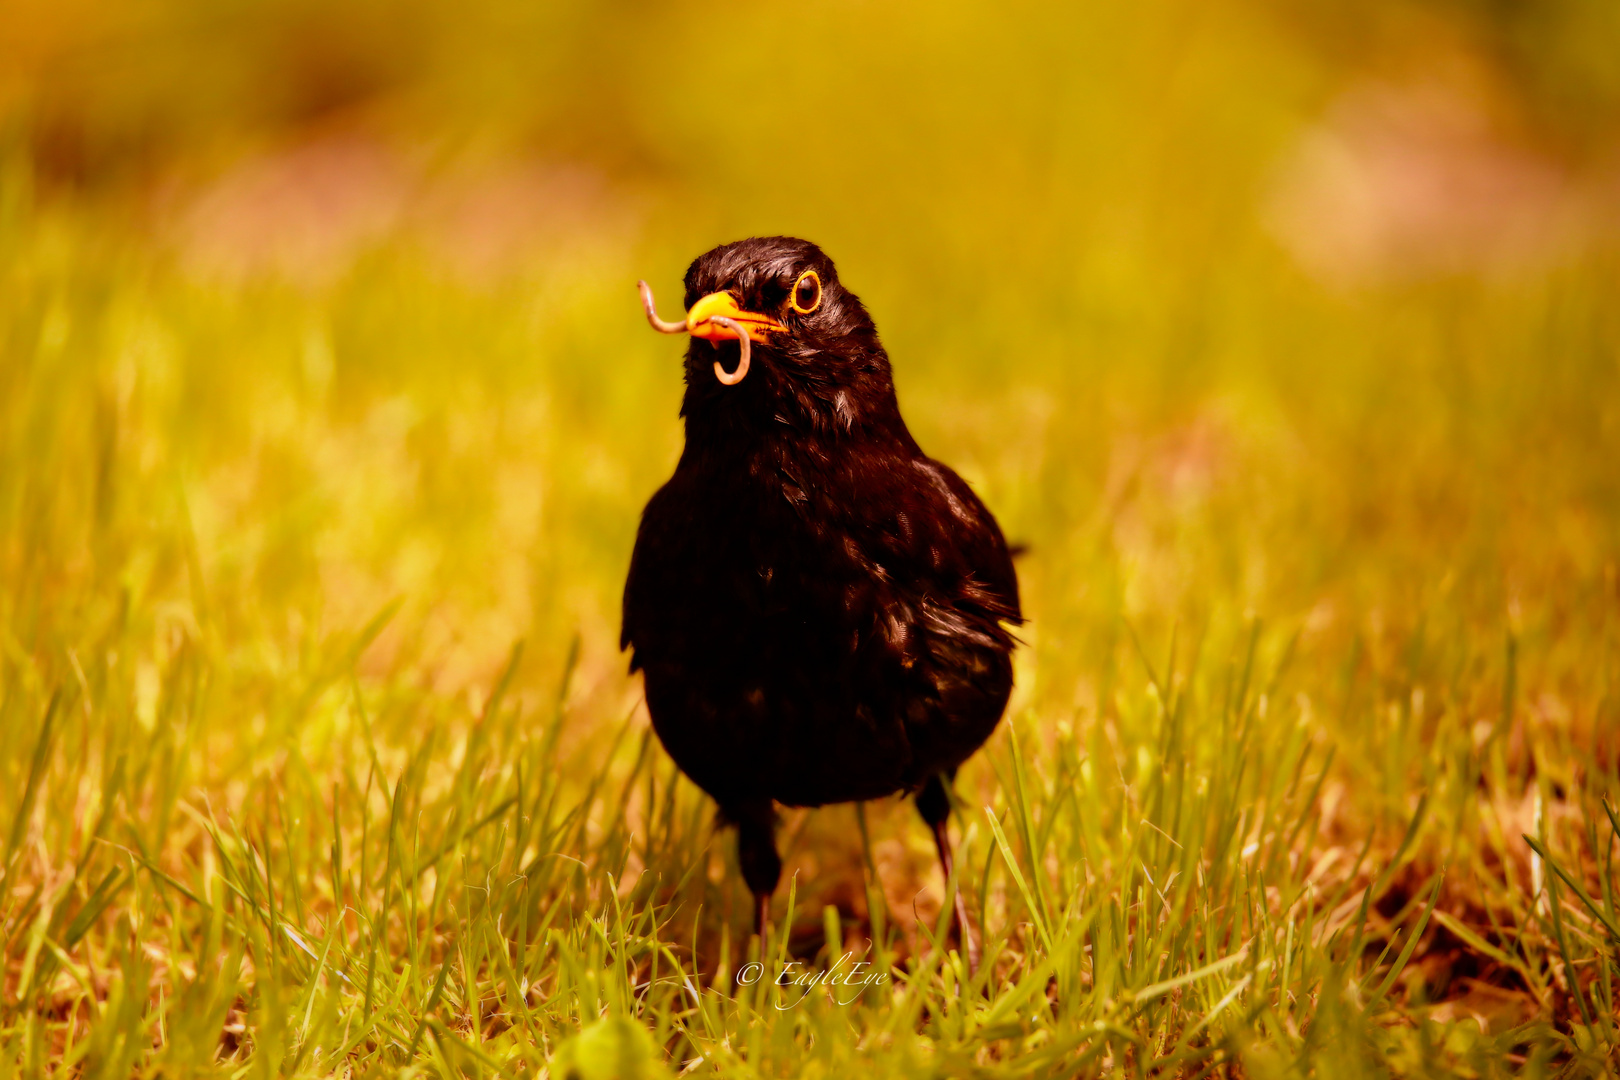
{"x":964,"y":929}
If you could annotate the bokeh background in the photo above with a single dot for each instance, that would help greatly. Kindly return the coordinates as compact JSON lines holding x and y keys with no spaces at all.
{"x":320,"y":357}
{"x":369,"y":266}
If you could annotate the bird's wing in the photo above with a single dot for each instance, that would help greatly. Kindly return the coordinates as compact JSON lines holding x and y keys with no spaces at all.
{"x":937,"y":569}
{"x":653,"y":535}
{"x":966,"y":553}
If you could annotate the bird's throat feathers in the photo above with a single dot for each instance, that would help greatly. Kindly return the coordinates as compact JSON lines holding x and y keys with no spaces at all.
{"x":820,"y":400}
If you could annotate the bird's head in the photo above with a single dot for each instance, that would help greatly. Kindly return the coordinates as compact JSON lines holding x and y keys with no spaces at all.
{"x":776,"y":337}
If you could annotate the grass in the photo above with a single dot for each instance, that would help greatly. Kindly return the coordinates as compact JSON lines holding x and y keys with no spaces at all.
{"x":318,"y":757}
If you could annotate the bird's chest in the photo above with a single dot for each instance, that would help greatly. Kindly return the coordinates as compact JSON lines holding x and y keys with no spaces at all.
{"x":778,"y":550}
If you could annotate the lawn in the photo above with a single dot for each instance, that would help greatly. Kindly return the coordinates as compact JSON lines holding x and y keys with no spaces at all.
{"x":318,"y":755}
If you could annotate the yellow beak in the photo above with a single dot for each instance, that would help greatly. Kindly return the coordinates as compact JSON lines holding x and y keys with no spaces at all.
{"x":699,"y":320}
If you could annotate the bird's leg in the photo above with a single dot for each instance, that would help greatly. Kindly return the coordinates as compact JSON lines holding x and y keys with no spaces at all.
{"x":934,"y":803}
{"x":756,"y":853}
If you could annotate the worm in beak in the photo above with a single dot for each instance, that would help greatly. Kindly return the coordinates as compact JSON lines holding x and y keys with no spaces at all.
{"x":705,"y":321}
{"x":660,"y":325}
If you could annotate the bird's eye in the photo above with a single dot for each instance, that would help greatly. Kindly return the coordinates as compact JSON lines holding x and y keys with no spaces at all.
{"x":806,"y":294}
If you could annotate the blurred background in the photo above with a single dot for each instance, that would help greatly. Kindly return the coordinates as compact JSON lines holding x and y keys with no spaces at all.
{"x":1242,"y":310}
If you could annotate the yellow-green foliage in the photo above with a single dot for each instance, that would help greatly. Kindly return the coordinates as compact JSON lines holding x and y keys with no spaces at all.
{"x":613,"y":1048}
{"x":325,"y":421}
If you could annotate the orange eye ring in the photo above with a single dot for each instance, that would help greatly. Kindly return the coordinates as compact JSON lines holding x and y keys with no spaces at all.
{"x":809,"y":277}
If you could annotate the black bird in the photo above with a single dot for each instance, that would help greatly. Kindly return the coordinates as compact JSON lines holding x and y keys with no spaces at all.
{"x":820,"y":611}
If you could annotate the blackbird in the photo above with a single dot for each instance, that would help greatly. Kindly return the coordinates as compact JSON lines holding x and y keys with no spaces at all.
{"x":820,"y":611}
